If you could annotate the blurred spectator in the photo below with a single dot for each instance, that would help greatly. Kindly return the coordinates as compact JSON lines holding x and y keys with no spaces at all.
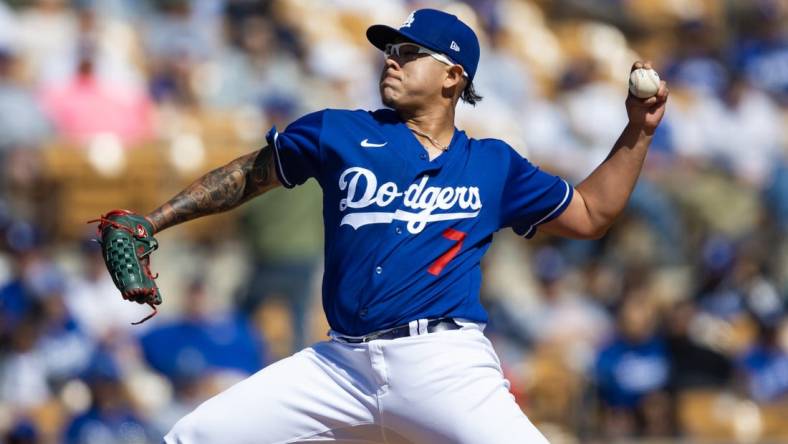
{"x":8,"y":26}
{"x":633,"y":369}
{"x":23,"y":372}
{"x":200,"y":342}
{"x":42,"y":345}
{"x":171,"y":81}
{"x":24,"y":128}
{"x":40,"y":48}
{"x":651,"y":205}
{"x":776,"y":196}
{"x":201,"y":354}
{"x":717,"y":293}
{"x":63,"y":345}
{"x":746,"y":119}
{"x":696,"y":64}
{"x":283,"y":265}
{"x":762,"y":52}
{"x":765,"y":365}
{"x":564,"y":320}
{"x":330,"y":59}
{"x":254,"y":70}
{"x":115,"y":48}
{"x":504,"y":77}
{"x":28,"y":262}
{"x":182,"y":28}
{"x":86,"y":106}
{"x":23,"y":432}
{"x":179,"y":36}
{"x":695,"y":363}
{"x":22,"y":123}
{"x":15,"y":300}
{"x":594,"y":111}
{"x":111,"y":417}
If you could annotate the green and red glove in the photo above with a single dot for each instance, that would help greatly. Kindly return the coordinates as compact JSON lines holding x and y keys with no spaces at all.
{"x":126,"y":242}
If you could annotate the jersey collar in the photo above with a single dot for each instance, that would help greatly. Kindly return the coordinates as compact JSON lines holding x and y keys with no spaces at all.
{"x":417,"y":155}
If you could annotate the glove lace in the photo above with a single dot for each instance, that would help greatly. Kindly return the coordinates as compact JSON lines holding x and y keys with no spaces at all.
{"x":141,"y":253}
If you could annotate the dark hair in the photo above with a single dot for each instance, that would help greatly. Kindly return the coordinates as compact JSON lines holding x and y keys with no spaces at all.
{"x":469,"y":94}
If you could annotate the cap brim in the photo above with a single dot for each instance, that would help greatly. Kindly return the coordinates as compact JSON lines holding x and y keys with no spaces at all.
{"x":381,"y":35}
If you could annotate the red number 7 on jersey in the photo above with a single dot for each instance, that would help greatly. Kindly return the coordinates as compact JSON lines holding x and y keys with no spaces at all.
{"x":451,"y":234}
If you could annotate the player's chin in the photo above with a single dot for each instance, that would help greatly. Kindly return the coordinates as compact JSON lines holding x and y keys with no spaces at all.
{"x":388,"y":96}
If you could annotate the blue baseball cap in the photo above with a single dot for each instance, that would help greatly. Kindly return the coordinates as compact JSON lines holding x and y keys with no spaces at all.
{"x":436,"y":30}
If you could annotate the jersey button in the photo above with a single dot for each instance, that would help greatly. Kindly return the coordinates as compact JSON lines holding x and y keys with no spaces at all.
{"x":423,"y":156}
{"x":378,"y":269}
{"x":398,"y":230}
{"x":363,"y":312}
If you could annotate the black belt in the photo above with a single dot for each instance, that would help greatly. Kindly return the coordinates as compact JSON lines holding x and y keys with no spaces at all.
{"x":433,"y":326}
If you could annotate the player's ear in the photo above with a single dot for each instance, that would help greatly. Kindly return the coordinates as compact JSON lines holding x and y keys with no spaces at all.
{"x":453,"y":76}
{"x":454,"y":83}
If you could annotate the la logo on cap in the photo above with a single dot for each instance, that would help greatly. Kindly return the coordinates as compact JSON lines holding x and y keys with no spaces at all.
{"x":409,"y":21}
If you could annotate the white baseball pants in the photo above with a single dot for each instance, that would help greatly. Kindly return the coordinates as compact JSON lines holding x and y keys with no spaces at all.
{"x":443,"y":387}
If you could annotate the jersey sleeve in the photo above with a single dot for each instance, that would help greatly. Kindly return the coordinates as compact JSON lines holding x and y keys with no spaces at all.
{"x":297,"y":150}
{"x":531,"y":196}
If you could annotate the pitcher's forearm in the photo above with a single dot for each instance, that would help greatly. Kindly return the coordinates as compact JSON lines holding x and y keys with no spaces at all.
{"x":219,"y":190}
{"x":607,"y":190}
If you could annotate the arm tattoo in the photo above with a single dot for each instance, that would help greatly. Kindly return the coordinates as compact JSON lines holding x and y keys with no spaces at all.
{"x":219,"y":190}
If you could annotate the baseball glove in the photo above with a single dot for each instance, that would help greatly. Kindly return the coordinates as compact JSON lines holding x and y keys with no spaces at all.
{"x":126,"y":243}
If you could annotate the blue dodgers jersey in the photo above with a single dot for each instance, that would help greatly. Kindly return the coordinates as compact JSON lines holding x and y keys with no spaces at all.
{"x":404,"y":236}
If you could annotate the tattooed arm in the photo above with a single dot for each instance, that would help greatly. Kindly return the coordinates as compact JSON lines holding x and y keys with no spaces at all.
{"x":219,"y":190}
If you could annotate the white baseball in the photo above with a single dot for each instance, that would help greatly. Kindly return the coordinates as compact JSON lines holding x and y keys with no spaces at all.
{"x":643,"y":83}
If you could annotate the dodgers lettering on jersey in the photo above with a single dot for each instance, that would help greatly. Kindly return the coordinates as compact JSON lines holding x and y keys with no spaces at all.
{"x":404,"y":235}
{"x":419,"y":197}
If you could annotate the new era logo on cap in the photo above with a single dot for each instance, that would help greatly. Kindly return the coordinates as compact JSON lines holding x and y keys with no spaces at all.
{"x":454,"y":46}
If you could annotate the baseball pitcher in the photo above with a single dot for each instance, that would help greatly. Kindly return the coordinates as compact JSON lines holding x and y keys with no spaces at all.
{"x":410,"y":206}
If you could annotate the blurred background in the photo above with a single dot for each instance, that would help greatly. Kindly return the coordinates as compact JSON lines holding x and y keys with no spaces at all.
{"x":671,"y":328}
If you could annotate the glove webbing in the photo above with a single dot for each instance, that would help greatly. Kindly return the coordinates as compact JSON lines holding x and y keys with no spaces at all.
{"x":143,"y":256}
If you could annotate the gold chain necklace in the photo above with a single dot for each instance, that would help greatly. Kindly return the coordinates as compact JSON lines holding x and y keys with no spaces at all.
{"x":441,"y":147}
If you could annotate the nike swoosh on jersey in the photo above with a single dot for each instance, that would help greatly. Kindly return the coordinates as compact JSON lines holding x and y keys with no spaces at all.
{"x":366,"y":144}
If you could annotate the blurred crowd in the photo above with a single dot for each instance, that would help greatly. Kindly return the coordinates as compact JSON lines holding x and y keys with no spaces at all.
{"x":673,"y":326}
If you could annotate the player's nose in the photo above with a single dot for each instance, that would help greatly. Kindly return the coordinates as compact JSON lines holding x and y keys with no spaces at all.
{"x":389,"y":64}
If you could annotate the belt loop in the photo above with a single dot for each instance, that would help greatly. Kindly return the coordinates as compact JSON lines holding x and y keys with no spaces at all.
{"x":414,"y":327}
{"x":423,"y":326}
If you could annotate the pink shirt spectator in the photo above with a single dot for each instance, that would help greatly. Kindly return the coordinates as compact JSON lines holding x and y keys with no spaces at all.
{"x":86,"y":106}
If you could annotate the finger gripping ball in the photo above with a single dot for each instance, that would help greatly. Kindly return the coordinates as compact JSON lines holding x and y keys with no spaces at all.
{"x":643,"y":83}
